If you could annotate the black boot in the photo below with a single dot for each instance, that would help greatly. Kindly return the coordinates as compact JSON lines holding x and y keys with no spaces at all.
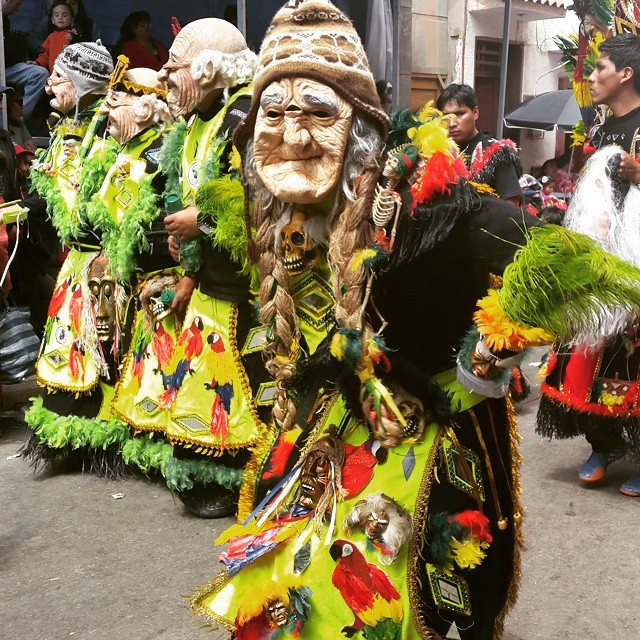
{"x":210,"y":500}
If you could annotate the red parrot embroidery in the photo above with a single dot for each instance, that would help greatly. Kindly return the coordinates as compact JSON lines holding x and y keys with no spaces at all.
{"x":191,"y":339}
{"x":58,"y":297}
{"x":221,"y":366}
{"x":76,"y":363}
{"x":75,"y":307}
{"x":367,"y":591}
{"x":191,"y":343}
{"x":162,"y":345}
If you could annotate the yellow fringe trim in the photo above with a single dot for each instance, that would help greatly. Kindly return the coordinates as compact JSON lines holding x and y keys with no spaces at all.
{"x":503,"y":333}
{"x":516,"y":492}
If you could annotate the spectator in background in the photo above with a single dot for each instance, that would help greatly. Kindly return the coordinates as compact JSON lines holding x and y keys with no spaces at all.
{"x":31,"y":77}
{"x":24,"y":158}
{"x":88,"y":29}
{"x":495,"y":163}
{"x":64,"y":33}
{"x":555,"y":168}
{"x":17,"y":127}
{"x":549,"y":199}
{"x":137,"y":44}
{"x":553,"y":215}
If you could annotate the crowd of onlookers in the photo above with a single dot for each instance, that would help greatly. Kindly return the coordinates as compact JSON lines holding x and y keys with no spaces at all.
{"x":30,"y":57}
{"x":30,"y":60}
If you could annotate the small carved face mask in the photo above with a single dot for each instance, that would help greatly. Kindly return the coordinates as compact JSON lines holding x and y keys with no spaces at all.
{"x":300,"y":136}
{"x":124,"y":124}
{"x":63,"y":91}
{"x":70,"y":147}
{"x":278,"y":613}
{"x":376,"y":524}
{"x":102,"y":288}
{"x":314,"y":479}
{"x":299,"y":252}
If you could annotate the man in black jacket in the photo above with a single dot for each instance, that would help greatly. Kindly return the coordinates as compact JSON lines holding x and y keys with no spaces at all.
{"x":32,"y":77}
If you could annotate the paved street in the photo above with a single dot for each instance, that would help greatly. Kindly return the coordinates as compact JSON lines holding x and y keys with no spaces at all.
{"x":77,"y":563}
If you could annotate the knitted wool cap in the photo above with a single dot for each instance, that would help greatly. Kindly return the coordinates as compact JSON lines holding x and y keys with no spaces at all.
{"x":314,"y":39}
{"x":88,"y":65}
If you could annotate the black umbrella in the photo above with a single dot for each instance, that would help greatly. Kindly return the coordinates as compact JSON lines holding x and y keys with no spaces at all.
{"x":546,"y":112}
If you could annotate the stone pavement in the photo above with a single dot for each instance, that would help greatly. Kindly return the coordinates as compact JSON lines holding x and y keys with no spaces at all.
{"x":75,"y":562}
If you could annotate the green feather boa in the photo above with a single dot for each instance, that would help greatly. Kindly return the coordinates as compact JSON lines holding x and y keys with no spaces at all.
{"x":222,"y":199}
{"x":145,"y":453}
{"x":561,"y":281}
{"x":170,"y":156}
{"x":68,"y":223}
{"x":120,"y":242}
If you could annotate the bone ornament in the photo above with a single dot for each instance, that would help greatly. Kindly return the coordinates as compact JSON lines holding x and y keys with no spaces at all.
{"x":156,"y":298}
{"x":208,"y":56}
{"x":299,"y":250}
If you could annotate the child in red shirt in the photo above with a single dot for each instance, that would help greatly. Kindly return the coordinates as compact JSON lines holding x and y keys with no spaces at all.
{"x":61,"y":15}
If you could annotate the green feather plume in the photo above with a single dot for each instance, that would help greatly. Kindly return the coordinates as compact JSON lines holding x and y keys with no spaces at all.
{"x":386,"y":629}
{"x":401,"y":121}
{"x":121,"y":242}
{"x":170,"y":156}
{"x":441,"y":528}
{"x":561,"y":281}
{"x":58,"y":432}
{"x":222,"y":200}
{"x":145,"y":453}
{"x":183,"y":474}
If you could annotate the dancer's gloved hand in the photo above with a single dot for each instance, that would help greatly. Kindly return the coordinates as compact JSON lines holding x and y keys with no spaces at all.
{"x":183,"y":224}
{"x":488,"y":365}
{"x":183,"y":296}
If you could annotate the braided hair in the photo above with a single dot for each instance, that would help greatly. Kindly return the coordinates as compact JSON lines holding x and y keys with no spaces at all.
{"x":350,"y":232}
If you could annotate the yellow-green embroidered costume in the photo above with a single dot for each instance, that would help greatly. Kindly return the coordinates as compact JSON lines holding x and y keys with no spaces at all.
{"x":200,"y":396}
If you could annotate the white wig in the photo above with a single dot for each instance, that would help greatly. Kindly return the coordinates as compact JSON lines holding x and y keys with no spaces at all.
{"x":599,"y":210}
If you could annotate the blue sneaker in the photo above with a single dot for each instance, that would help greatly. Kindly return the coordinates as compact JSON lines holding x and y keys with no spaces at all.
{"x":595,"y":468}
{"x":631,"y":487}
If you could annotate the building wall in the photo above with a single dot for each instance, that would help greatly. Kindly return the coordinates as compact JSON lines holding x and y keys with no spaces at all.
{"x":444,"y":46}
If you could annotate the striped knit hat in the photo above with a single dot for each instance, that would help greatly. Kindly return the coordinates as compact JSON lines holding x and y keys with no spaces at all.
{"x":314,"y":39}
{"x":88,"y":65}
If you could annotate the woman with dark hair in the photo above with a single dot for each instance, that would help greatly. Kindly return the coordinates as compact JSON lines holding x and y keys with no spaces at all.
{"x":137,"y":44}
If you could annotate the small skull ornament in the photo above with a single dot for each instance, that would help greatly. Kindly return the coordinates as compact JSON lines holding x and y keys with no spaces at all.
{"x":161,"y":304}
{"x":299,"y":251}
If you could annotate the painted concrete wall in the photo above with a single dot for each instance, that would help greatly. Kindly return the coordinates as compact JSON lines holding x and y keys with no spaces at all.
{"x":443,"y":42}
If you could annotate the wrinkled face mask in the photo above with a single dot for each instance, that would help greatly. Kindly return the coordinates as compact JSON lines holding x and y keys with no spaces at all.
{"x":120,"y":107}
{"x":376,"y":524}
{"x":185,"y":93}
{"x":301,"y":133}
{"x":63,"y":91}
